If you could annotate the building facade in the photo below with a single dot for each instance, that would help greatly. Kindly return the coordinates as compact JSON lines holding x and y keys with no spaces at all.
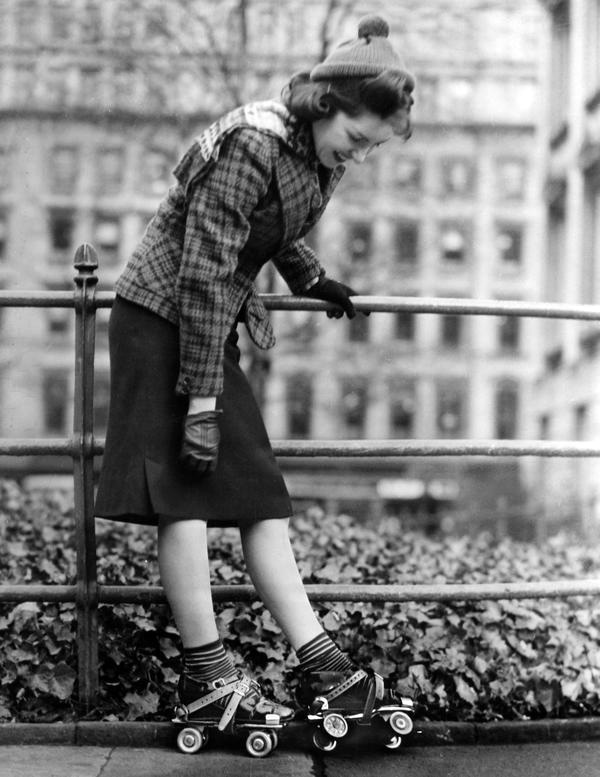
{"x":568,"y":395}
{"x":97,"y":100}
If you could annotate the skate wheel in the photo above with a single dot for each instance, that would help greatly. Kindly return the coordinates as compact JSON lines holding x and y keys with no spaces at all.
{"x":335,"y":725}
{"x":324,"y":742}
{"x":259,"y":743}
{"x":401,"y":723}
{"x":394,"y":743}
{"x":274,"y":738}
{"x":190,"y":740}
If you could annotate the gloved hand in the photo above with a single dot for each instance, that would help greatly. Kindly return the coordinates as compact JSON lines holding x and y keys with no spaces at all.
{"x":200,"y":445}
{"x":333,"y":291}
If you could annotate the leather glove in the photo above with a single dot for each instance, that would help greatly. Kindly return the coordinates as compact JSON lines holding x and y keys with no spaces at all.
{"x":333,"y":291}
{"x":200,"y":445}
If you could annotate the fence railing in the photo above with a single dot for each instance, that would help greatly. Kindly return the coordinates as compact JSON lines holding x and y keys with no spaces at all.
{"x":83,"y":447}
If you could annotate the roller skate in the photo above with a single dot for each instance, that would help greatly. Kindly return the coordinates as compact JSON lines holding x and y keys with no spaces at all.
{"x":233,"y":705}
{"x":336,"y":701}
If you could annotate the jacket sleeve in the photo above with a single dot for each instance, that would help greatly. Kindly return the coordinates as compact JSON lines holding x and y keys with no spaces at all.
{"x":216,"y":229}
{"x":297,"y":263}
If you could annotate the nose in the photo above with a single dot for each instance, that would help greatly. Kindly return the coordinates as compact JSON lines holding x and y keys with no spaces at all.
{"x":359,"y":156}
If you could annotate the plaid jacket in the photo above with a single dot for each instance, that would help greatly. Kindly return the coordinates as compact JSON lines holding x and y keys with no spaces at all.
{"x":247,"y":190}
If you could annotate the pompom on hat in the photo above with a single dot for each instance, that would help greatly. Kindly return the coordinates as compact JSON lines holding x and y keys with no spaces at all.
{"x":367,"y":56}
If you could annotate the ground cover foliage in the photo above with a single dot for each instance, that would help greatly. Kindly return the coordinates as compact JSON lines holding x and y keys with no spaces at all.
{"x":474,"y":661}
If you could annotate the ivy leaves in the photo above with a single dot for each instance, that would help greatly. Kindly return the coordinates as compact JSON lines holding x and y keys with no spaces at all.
{"x":477,"y":661}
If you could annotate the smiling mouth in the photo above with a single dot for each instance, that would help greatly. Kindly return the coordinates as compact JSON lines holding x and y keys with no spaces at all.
{"x":340,"y":158}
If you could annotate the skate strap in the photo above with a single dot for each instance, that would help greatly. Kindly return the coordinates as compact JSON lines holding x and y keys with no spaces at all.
{"x":237,"y":686}
{"x":376,"y":690}
{"x":345,"y":685}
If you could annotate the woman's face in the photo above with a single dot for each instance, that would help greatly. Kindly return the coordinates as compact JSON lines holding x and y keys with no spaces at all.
{"x":342,"y":138}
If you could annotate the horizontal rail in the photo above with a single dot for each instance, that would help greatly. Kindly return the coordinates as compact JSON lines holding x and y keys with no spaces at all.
{"x":373,"y":448}
{"x":446,"y":592}
{"x":381,"y":304}
{"x":37,"y":593}
{"x":347,"y":448}
{"x":375,"y":303}
{"x":37,"y":299}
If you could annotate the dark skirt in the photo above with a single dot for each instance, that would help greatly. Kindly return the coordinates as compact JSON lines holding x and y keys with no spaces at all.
{"x":140,"y":477}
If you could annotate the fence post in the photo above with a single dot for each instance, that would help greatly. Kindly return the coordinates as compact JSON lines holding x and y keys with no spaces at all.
{"x":86,"y":264}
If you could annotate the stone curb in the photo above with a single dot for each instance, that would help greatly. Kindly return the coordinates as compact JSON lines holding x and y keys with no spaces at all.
{"x":299,"y":735}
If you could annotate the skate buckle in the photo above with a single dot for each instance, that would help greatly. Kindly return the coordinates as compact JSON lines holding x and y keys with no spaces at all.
{"x":272,"y":719}
{"x":242,"y":688}
{"x":319,"y":704}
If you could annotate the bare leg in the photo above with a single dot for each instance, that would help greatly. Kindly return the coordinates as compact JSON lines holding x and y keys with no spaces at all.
{"x":273,"y":570}
{"x":185,"y":575}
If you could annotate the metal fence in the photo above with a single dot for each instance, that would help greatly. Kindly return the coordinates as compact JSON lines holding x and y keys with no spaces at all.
{"x":83,"y":447}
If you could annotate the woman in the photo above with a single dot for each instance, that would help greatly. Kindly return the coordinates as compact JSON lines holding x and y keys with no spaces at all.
{"x":186,"y":446}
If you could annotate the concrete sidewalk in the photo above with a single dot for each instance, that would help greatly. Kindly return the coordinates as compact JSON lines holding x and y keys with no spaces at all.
{"x":576,"y":759}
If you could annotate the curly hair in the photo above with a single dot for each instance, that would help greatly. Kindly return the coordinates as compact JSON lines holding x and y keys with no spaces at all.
{"x":388,"y":95}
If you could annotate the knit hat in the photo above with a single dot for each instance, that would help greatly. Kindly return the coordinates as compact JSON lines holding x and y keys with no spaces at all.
{"x":368,"y":56}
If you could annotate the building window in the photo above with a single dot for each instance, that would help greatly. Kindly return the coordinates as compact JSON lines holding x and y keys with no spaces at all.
{"x":24,"y":85}
{"x":157,"y":171}
{"x":407,"y":175}
{"x":55,"y":397}
{"x":4,"y":169}
{"x":507,"y":406}
{"x":358,"y":329}
{"x":90,"y":87}
{"x":110,"y":166}
{"x":64,"y":169}
{"x":91,"y":23}
{"x":3,"y":235}
{"x":404,"y":325}
{"x":581,"y":430}
{"x":26,"y":20}
{"x":107,"y":239}
{"x":451,"y":404}
{"x":359,"y":243}
{"x":407,"y":243}
{"x":453,"y":243}
{"x":509,"y":328}
{"x":451,"y":330}
{"x":457,"y":177}
{"x":354,"y":406}
{"x":299,"y":405}
{"x":125,"y":88}
{"x":61,"y":223}
{"x":402,"y":409}
{"x":426,"y":107}
{"x":56,"y":89}
{"x":125,"y":23}
{"x":509,"y":244}
{"x":58,"y":321}
{"x":61,"y":15}
{"x":510,"y":179}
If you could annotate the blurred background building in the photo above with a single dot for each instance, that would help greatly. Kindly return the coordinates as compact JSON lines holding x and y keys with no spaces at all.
{"x":568,"y":389}
{"x":97,"y":101}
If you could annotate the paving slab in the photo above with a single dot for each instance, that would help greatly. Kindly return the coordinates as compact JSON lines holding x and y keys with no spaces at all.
{"x":82,"y":761}
{"x":575,"y":759}
{"x":216,"y":763}
{"x":52,"y":761}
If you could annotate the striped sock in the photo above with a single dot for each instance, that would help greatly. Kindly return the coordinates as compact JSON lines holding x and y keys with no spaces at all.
{"x":207,"y":662}
{"x":322,"y":655}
